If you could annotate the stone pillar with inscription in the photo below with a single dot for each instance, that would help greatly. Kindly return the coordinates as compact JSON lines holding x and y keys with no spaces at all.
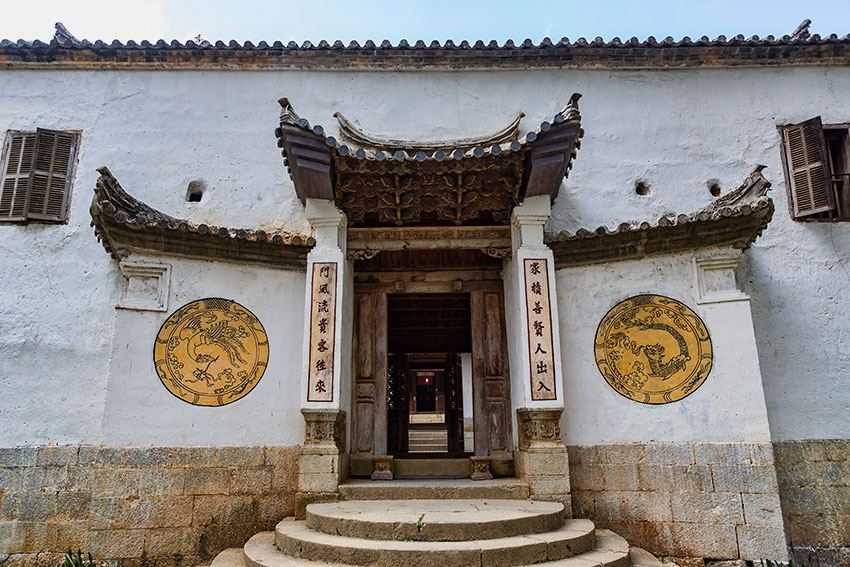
{"x":535,"y":354}
{"x":326,"y":362}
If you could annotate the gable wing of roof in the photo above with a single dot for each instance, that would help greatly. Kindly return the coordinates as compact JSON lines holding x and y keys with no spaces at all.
{"x":123,"y":224}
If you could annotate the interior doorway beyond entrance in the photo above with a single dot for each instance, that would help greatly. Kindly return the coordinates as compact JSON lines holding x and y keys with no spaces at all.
{"x":429,"y":337}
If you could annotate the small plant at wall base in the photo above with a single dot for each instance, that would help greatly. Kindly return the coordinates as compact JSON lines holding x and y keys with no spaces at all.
{"x":769,"y":563}
{"x":76,"y":560}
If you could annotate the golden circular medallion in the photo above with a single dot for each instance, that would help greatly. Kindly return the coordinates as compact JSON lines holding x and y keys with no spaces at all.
{"x":211,"y":352}
{"x":653,"y":349}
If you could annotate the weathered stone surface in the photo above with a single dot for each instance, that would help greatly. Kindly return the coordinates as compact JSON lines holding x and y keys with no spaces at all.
{"x":207,"y":481}
{"x":147,"y":457}
{"x":194,"y":457}
{"x":621,"y":477}
{"x":18,"y":456}
{"x":251,"y":480}
{"x":120,"y":513}
{"x":762,"y":509}
{"x":496,"y":489}
{"x":36,"y":506}
{"x":669,"y":454}
{"x":72,"y":506}
{"x":758,"y":542}
{"x":115,"y":483}
{"x":162,"y":482}
{"x":703,"y":540}
{"x":435,"y":520}
{"x":757,"y":479}
{"x":722,"y":453}
{"x":587,"y":477}
{"x":675,"y":478}
{"x":58,"y":456}
{"x":72,"y":535}
{"x":113,"y":544}
{"x":101,"y":457}
{"x":710,"y":508}
{"x":649,"y":506}
{"x":240,"y":456}
{"x":163,"y":542}
{"x":27,"y":537}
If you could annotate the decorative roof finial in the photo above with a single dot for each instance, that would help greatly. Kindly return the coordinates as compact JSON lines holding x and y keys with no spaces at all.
{"x":802,"y":31}
{"x":63,"y":37}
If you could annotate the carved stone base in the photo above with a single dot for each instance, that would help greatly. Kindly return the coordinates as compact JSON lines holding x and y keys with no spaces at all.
{"x":540,"y":428}
{"x":383,"y":467}
{"x":480,"y":468}
{"x":324,"y":428}
{"x":542,"y":456}
{"x":323,"y":461}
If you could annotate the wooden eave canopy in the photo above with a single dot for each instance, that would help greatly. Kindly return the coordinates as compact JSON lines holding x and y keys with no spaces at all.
{"x":382,"y":182}
{"x":735,"y":220}
{"x":123,"y":224}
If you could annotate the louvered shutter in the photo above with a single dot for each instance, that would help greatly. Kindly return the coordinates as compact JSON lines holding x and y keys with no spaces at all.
{"x":807,"y":162}
{"x":50,"y":175}
{"x":15,"y":175}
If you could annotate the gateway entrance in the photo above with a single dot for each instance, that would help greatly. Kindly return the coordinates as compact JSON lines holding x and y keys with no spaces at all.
{"x":429,"y":338}
{"x":431,"y":372}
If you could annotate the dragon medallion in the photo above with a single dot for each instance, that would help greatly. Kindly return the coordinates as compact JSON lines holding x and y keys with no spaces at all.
{"x":653,"y":349}
{"x":211,"y":352}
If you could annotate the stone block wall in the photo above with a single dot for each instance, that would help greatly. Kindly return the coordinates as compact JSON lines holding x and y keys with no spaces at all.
{"x":814,"y":486}
{"x":700,"y":500}
{"x":144,"y":506}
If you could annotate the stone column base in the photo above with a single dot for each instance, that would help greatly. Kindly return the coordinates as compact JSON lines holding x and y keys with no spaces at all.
{"x":480,"y":468}
{"x":542,"y":457}
{"x":383,"y":467}
{"x":322,"y":463}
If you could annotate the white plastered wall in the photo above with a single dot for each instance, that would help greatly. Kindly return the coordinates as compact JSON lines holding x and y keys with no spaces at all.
{"x":140,"y":411}
{"x":157,"y":131}
{"x":728,"y":406}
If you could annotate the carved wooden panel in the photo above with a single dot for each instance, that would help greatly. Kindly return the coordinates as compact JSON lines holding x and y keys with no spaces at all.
{"x":369,"y":361}
{"x":490,"y":379}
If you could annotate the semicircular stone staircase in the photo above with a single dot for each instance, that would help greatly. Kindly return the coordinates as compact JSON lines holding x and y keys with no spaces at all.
{"x":436,"y":533}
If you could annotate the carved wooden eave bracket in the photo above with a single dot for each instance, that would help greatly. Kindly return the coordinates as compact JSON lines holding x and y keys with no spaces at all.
{"x":735,"y":220}
{"x":384,"y":182}
{"x":123,"y":224}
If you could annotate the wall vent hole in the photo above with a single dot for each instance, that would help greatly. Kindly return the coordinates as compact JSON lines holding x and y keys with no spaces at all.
{"x":195,"y":192}
{"x":641,"y":188}
{"x":714,"y":189}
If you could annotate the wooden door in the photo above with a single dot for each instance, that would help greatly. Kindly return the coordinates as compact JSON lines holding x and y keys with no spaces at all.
{"x":491,"y":392}
{"x":369,"y":361}
{"x":453,"y":383}
{"x":398,"y":404}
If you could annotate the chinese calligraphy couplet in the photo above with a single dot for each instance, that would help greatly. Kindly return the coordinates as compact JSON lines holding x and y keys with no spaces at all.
{"x":322,"y":328}
{"x":540,"y":342}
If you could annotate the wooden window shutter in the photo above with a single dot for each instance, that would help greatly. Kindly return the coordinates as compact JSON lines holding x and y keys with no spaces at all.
{"x":50,"y":175}
{"x":15,"y":175}
{"x":807,"y":164}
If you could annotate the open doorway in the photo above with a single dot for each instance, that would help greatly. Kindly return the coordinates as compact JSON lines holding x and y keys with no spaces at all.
{"x":429,"y":386}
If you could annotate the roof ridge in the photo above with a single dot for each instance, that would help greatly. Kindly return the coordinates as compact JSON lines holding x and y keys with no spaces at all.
{"x":420,"y":44}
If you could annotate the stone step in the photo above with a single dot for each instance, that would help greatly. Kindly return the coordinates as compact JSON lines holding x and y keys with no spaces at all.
{"x":642,"y":558}
{"x":418,"y":468}
{"x":610,"y":551}
{"x":437,"y":520}
{"x":231,"y":557}
{"x":293,"y":538}
{"x":436,"y":489}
